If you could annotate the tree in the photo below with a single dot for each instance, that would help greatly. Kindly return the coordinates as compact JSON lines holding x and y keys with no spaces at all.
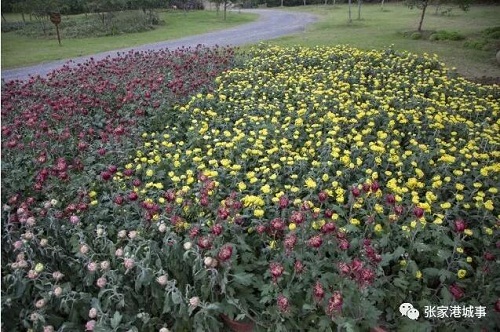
{"x":350,"y":16}
{"x":423,"y":4}
{"x":359,"y":9}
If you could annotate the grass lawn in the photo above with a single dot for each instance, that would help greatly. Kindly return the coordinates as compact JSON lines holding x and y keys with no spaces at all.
{"x":379,"y":29}
{"x":18,"y":51}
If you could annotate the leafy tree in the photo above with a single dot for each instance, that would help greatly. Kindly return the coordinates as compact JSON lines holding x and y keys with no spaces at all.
{"x":423,"y":4}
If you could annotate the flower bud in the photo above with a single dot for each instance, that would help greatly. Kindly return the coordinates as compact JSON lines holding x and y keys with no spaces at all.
{"x":162,"y":280}
{"x":129,"y":263}
{"x":122,"y":234}
{"x":58,"y":291}
{"x":84,"y":249}
{"x":162,"y":228}
{"x":105,"y":265}
{"x":101,"y":282}
{"x":187,"y":245}
{"x":93,"y":313}
{"x":194,"y":301}
{"x":40,"y":304}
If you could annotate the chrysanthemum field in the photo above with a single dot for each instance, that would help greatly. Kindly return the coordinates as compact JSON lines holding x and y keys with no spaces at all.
{"x":292,"y":189}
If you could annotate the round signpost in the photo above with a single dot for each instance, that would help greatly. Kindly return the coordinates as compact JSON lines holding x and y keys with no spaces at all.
{"x":56,"y":19}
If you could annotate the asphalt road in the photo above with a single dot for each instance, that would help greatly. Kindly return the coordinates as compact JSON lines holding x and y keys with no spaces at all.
{"x":271,"y":24}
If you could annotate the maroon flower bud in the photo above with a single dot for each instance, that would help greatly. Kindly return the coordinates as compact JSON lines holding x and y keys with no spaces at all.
{"x":456,"y":291}
{"x":355,"y":191}
{"x":366,"y":187}
{"x":398,"y":209}
{"x":497,"y":305}
{"x":276,"y":270}
{"x":344,"y":268}
{"x":329,"y":227}
{"x":418,"y":212}
{"x":261,"y":229}
{"x":133,"y":196}
{"x":366,"y":277}
{"x":169,"y":195}
{"x":315,"y":241}
{"x":223,"y":213}
{"x":136,"y":182}
{"x":283,"y":202}
{"x":344,"y":244}
{"x":225,"y":253}
{"x":118,"y":200}
{"x":283,"y":303}
{"x":334,"y":303}
{"x":297,"y":217}
{"x":356,"y":265}
{"x":128,"y":172}
{"x":460,"y":225}
{"x":290,"y":241}
{"x":328,"y":213}
{"x":217,"y":229}
{"x":390,"y":199}
{"x":489,"y":256}
{"x":322,"y":196}
{"x":298,"y":267}
{"x":112,"y":169}
{"x":194,"y":231}
{"x":318,"y":291}
{"x":277,"y":224}
{"x":204,"y":201}
{"x":101,"y":151}
{"x":105,"y":175}
{"x":375,"y":186}
{"x":204,"y":243}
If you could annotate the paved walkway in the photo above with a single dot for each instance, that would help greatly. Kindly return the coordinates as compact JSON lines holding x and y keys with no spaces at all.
{"x":271,"y":24}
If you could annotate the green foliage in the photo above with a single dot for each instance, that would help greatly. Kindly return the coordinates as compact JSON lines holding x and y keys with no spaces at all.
{"x":446,"y":35}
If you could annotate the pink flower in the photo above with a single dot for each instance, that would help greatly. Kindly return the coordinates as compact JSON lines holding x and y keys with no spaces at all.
{"x":298,"y":267}
{"x":290,"y":241}
{"x":460,"y":225}
{"x":456,"y":291}
{"x":57,"y":275}
{"x":276,"y":270}
{"x":162,"y":280}
{"x":58,"y":291}
{"x":93,"y":313}
{"x":315,"y":241}
{"x":283,"y":303}
{"x":318,"y":291}
{"x":225,"y":253}
{"x":334,"y":303}
{"x":92,"y":266}
{"x":48,"y":328}
{"x":90,"y":325}
{"x":74,"y":220}
{"x":18,"y":244}
{"x":283,"y":202}
{"x":129,"y":263}
{"x":101,"y":282}
{"x":84,"y":249}
{"x":119,"y":252}
{"x":194,"y":301}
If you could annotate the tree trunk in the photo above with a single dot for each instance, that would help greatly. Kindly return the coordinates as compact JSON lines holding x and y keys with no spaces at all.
{"x":305,"y":2}
{"x":3,"y":18}
{"x":382,"y":5}
{"x":281,"y":3}
{"x":359,"y":9}
{"x":424,"y":7}
{"x":350,"y":17}
{"x":225,"y":7}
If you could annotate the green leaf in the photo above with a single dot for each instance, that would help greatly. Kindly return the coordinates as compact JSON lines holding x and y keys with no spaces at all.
{"x":401,"y":283}
{"x":115,"y":321}
{"x":431,"y":272}
{"x":244,"y":279}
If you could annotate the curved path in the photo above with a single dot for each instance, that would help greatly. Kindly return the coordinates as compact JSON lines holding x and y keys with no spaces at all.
{"x":271,"y":24}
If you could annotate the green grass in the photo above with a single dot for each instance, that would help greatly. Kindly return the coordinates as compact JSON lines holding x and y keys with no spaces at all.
{"x":18,"y":51}
{"x":380,"y":29}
